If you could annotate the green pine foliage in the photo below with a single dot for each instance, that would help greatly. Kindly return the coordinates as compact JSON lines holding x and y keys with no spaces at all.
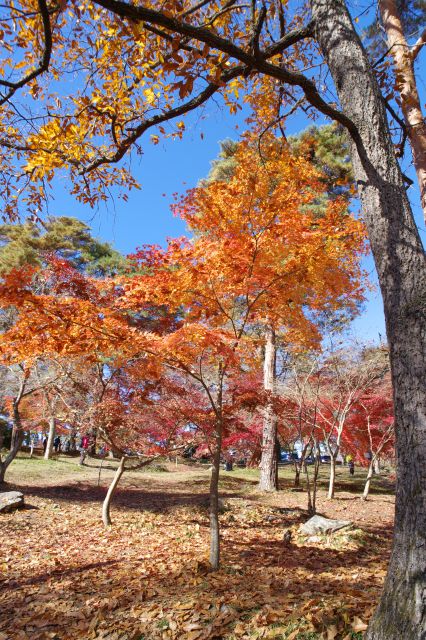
{"x":66,"y":237}
{"x":326,"y":147}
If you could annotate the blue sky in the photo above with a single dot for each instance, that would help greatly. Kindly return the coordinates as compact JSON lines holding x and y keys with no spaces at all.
{"x":174,"y":166}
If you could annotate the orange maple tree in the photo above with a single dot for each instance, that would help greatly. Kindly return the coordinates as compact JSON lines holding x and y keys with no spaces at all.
{"x":262,"y":254}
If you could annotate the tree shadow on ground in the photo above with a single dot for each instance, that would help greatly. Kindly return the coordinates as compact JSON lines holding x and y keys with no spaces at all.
{"x":139,"y":499}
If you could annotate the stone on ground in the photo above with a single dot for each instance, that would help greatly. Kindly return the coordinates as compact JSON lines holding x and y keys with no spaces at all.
{"x":319,"y":524}
{"x":11,"y":500}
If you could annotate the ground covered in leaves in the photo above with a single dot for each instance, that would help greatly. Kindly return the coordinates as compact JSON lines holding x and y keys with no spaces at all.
{"x":65,"y":577}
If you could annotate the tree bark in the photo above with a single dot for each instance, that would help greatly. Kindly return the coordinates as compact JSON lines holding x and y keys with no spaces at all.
{"x":401,"y":266}
{"x":368,"y":481}
{"x":407,"y":88}
{"x":14,"y":436}
{"x":268,"y":462}
{"x":214,"y":505}
{"x":214,"y":480}
{"x":296,"y":476}
{"x":19,"y":437}
{"x":332,"y":478}
{"x":50,"y":438}
{"x":106,"y":518}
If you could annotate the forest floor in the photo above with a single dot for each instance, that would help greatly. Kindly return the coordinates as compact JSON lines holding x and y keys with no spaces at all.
{"x":63,"y":576}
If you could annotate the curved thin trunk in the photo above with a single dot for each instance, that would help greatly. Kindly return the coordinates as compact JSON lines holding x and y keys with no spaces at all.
{"x":269,"y":462}
{"x":106,"y":518}
{"x":401,"y":267}
{"x":50,"y":438}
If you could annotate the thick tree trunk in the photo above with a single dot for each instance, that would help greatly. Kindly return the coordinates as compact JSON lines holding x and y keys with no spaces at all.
{"x":106,"y":518}
{"x":368,"y":481}
{"x":407,"y":89}
{"x":269,"y":462}
{"x":50,"y":438}
{"x":401,"y":266}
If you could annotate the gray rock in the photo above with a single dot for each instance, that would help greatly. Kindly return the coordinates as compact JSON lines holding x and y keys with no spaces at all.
{"x":11,"y":500}
{"x":315,"y":539}
{"x":318,"y":524}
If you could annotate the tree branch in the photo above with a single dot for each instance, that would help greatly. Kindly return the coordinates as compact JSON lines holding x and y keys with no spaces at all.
{"x":192,"y":104}
{"x":294,"y":78}
{"x":44,"y":62}
{"x":415,"y":49}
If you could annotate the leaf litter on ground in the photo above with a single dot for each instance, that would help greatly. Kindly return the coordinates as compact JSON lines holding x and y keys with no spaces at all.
{"x":65,"y":577}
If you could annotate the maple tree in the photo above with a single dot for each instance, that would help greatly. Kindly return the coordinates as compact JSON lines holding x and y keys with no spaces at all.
{"x":260,"y":255}
{"x":23,"y":383}
{"x":156,"y":63}
{"x":370,"y":430}
{"x":337,"y":384}
{"x":300,"y":423}
{"x":276,"y":234}
{"x":330,"y":180}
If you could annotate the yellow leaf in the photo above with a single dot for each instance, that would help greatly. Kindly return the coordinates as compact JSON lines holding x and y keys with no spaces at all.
{"x":358,"y":624}
{"x":332,"y":632}
{"x":149,"y":96}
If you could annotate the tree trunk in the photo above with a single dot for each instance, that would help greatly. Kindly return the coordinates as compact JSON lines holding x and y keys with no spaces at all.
{"x":332,"y":479}
{"x":315,"y":478}
{"x":214,"y":504}
{"x":50,"y":438}
{"x":376,"y":466}
{"x":14,"y":451}
{"x":14,"y":437}
{"x":214,"y":480}
{"x":401,"y":266}
{"x":368,"y":481}
{"x":309,"y":491}
{"x":106,"y":518}
{"x":2,"y":433}
{"x":268,"y":462}
{"x":407,"y":89}
{"x":296,"y":475}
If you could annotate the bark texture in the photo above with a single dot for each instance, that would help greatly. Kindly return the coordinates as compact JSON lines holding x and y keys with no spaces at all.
{"x":17,"y":440}
{"x":407,"y":88}
{"x":401,"y":266}
{"x":269,"y":459}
